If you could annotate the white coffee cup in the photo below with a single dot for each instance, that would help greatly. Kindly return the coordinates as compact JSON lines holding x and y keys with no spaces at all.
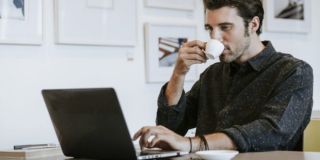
{"x":214,"y":48}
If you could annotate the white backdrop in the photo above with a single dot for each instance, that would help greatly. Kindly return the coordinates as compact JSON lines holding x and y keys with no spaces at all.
{"x":25,"y":70}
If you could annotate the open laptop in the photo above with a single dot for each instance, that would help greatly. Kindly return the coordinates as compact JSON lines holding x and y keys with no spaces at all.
{"x":89,"y":124}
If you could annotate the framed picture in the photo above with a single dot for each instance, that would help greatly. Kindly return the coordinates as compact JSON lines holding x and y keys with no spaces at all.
{"x":21,"y":22}
{"x":288,"y":15}
{"x":96,"y":22}
{"x":171,"y":4}
{"x":162,"y":42}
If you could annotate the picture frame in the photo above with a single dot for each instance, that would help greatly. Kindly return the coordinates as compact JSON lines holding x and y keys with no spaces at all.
{"x":96,"y":22}
{"x":21,"y":22}
{"x":162,"y":42}
{"x":292,"y":16}
{"x":188,"y":5}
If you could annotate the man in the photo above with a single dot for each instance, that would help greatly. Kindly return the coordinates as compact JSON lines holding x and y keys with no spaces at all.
{"x":255,"y":99}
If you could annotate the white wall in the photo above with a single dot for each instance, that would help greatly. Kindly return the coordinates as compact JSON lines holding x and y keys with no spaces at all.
{"x":25,"y":70}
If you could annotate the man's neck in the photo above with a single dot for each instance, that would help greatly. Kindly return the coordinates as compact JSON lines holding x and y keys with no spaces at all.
{"x":255,"y":47}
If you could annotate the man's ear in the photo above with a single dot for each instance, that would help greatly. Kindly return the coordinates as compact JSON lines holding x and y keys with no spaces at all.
{"x":254,"y":24}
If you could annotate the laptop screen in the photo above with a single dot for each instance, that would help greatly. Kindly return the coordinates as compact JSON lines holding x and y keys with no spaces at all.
{"x":89,"y":123}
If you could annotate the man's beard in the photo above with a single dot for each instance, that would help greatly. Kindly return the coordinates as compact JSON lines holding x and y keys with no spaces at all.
{"x":234,"y":55}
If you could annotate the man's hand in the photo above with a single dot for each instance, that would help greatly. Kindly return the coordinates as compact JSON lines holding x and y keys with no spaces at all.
{"x":162,"y":138}
{"x":190,"y":53}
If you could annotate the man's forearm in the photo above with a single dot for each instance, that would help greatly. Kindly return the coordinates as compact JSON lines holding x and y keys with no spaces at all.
{"x":220,"y":141}
{"x":215,"y":141}
{"x":174,"y":89}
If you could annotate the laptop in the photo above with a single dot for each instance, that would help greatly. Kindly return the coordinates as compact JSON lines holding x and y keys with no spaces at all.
{"x":89,"y":124}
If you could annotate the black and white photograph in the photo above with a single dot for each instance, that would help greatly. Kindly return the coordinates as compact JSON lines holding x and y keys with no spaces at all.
{"x":21,"y":22}
{"x":287,"y":16}
{"x":12,"y":9}
{"x":289,"y":9}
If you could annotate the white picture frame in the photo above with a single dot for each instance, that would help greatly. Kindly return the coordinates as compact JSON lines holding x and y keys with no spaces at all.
{"x":96,"y":22}
{"x":168,"y":37}
{"x":293,"y":16}
{"x":21,"y":22}
{"x":188,"y":5}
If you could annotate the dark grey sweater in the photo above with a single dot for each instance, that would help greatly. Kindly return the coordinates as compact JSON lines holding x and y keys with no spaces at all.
{"x":264,"y":104}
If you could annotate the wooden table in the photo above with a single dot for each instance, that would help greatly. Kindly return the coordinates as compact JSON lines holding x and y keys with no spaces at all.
{"x":273,"y":155}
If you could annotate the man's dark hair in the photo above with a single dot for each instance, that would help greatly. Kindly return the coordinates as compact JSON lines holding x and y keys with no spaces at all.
{"x":247,"y":9}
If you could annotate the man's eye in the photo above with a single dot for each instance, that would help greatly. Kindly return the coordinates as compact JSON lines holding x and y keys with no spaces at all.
{"x":226,"y":28}
{"x":207,"y":28}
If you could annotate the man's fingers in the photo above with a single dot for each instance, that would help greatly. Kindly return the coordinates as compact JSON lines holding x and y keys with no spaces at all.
{"x":194,"y":53}
{"x":198,"y":43}
{"x":137,"y":134}
{"x":154,"y":141}
{"x":194,"y":57}
{"x":140,"y":132}
{"x":149,"y":135}
{"x":141,"y":144}
{"x":194,"y":62}
{"x":192,"y":50}
{"x":146,"y":137}
{"x":146,"y":133}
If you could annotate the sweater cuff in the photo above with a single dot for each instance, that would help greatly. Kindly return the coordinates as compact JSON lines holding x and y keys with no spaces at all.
{"x":238,"y":138}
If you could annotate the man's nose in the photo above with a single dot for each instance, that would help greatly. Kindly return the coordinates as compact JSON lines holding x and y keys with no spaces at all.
{"x":216,"y":34}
